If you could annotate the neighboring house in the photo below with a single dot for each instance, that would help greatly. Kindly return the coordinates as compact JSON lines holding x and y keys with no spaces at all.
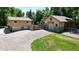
{"x":18,"y":23}
{"x":57,"y":23}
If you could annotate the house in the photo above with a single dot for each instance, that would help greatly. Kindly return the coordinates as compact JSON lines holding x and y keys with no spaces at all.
{"x":18,"y":23}
{"x":57,"y":23}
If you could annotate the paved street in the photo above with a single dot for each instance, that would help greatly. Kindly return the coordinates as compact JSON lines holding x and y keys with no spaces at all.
{"x":20,"y":40}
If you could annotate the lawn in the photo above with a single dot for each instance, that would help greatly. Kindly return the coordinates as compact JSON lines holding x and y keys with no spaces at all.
{"x":55,"y":42}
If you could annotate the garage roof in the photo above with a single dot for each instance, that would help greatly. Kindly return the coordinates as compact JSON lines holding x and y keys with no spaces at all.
{"x":19,"y":18}
{"x":61,"y":18}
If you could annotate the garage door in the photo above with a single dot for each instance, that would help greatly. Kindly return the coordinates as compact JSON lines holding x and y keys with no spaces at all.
{"x":51,"y":26}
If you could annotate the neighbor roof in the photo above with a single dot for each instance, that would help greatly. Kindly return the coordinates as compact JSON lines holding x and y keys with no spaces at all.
{"x":19,"y":18}
{"x":61,"y":18}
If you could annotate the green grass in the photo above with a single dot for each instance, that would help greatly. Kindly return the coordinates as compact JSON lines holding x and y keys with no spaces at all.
{"x":55,"y":42}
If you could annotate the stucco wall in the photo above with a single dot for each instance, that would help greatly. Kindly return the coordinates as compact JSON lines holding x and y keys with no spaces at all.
{"x":19,"y":24}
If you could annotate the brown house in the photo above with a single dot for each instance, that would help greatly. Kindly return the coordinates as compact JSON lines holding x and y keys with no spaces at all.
{"x":57,"y":23}
{"x":17,"y":23}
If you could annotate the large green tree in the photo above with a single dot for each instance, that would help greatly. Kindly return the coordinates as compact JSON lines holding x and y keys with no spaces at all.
{"x":39,"y":16}
{"x":56,"y":10}
{"x":46,"y":12}
{"x":29,"y":14}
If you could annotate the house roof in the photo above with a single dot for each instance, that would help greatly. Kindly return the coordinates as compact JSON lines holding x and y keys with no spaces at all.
{"x":61,"y":18}
{"x":19,"y":18}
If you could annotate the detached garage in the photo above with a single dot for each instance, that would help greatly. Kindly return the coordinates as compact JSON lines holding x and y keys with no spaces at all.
{"x":57,"y":23}
{"x":18,"y":23}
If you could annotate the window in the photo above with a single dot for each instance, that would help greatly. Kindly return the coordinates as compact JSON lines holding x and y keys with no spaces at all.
{"x":26,"y":21}
{"x":50,"y":18}
{"x":15,"y":21}
{"x":56,"y":25}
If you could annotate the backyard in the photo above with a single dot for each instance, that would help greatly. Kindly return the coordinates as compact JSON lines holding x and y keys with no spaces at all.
{"x":56,"y":42}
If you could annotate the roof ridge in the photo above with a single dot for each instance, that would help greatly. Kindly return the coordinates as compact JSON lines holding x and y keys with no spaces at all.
{"x":19,"y":18}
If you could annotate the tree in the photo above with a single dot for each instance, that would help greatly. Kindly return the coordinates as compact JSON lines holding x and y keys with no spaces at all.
{"x":29,"y":14}
{"x":4,"y":13}
{"x":39,"y":16}
{"x":46,"y":12}
{"x":56,"y":10}
{"x":18,"y":12}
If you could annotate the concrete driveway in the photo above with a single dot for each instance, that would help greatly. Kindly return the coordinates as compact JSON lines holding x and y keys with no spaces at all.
{"x":20,"y":40}
{"x":71,"y":34}
{"x":2,"y":31}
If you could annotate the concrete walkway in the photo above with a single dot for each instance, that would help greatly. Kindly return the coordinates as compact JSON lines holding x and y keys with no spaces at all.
{"x":21,"y":40}
{"x":71,"y":34}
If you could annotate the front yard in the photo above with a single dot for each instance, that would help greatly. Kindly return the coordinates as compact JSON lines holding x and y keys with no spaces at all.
{"x":56,"y":42}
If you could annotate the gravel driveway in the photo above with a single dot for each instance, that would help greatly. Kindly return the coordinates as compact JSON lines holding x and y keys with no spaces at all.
{"x":20,"y":40}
